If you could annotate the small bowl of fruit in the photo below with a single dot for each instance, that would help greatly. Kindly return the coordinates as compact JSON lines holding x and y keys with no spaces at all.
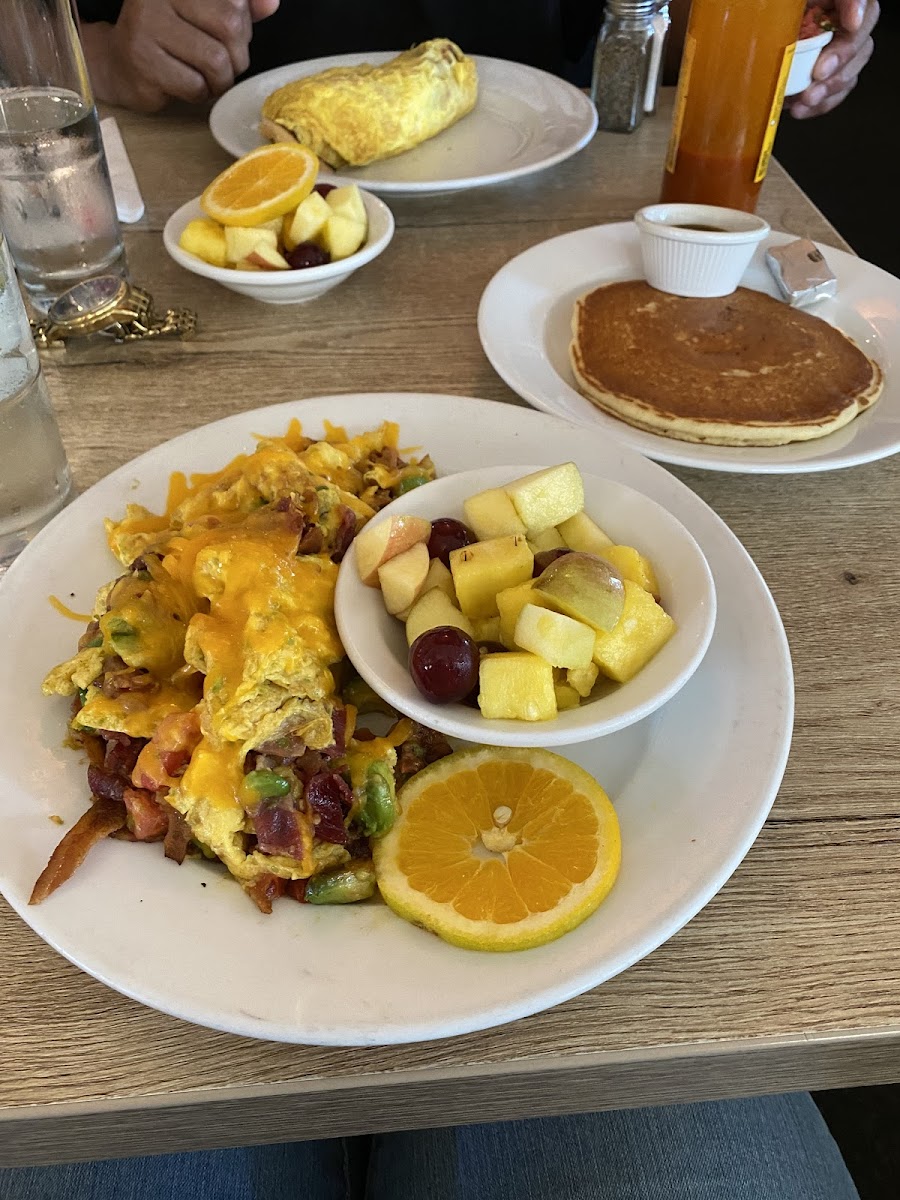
{"x":267,"y":228}
{"x":525,"y":606}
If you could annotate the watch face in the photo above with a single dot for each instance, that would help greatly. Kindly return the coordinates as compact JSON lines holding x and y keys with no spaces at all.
{"x":86,"y":297}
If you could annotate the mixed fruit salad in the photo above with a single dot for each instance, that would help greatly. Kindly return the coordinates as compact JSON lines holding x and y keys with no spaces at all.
{"x":267,"y":212}
{"x":523,"y":607}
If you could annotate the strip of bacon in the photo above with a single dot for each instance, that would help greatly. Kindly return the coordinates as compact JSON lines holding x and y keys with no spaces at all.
{"x":101,"y":819}
{"x":264,"y":890}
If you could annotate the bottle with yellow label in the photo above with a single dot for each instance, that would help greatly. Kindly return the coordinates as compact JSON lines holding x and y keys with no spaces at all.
{"x":737,"y":55}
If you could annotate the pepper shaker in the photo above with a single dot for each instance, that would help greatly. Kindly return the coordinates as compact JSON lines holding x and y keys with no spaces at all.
{"x":628,"y":52}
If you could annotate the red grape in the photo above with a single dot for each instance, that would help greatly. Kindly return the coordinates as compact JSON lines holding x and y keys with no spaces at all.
{"x":324,"y":188}
{"x":443,"y":663}
{"x":307,"y":254}
{"x":448,"y":534}
{"x":544,"y":558}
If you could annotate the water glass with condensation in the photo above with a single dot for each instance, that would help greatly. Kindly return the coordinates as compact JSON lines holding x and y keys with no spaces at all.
{"x":57,"y":208}
{"x":34,"y":474}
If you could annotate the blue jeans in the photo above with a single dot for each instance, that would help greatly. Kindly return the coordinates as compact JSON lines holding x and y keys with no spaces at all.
{"x":770,"y":1148}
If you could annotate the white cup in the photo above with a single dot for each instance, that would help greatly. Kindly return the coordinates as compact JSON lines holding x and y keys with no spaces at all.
{"x":686,"y":260}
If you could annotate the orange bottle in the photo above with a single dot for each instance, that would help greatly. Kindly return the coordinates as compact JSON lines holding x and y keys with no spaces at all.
{"x":737,"y":55}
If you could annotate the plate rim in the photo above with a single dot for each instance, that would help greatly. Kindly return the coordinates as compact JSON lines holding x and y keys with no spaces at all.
{"x":420,"y":187}
{"x":527,"y":1002}
{"x":725,"y":459}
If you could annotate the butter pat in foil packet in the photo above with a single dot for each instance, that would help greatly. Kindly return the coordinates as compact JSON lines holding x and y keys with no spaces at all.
{"x":801,"y":272}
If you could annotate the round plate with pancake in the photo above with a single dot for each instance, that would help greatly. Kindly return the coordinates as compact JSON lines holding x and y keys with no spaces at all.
{"x":524,"y":321}
{"x":524,"y":121}
{"x":692,"y":783}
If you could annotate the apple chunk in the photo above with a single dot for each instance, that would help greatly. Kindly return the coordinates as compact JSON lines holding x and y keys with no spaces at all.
{"x":585,"y":588}
{"x":348,"y":202}
{"x":562,"y":641}
{"x":341,"y":236}
{"x":547,"y":497}
{"x":242,"y":241}
{"x":383,"y":540}
{"x":431,"y":610}
{"x":581,"y":533}
{"x":403,"y":577}
{"x":268,"y":259}
{"x":491,"y":514}
{"x":306,"y":222}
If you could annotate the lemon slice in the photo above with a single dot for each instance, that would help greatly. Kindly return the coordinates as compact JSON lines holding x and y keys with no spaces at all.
{"x":499,"y":849}
{"x":266,"y":183}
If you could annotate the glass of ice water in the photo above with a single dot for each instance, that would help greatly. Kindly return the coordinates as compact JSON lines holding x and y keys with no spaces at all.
{"x":34,"y":475}
{"x":56,"y":202}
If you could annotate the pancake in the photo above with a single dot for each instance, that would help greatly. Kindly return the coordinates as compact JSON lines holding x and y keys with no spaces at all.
{"x":351,"y":116}
{"x":738,"y":370}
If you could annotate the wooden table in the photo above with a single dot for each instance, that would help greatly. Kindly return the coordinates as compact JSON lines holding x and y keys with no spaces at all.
{"x":789,"y":979}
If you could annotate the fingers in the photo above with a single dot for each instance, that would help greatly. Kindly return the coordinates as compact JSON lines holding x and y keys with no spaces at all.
{"x":822,"y":97}
{"x":260,"y":9}
{"x":226,"y":22}
{"x":838,"y":66}
{"x":197,"y":50}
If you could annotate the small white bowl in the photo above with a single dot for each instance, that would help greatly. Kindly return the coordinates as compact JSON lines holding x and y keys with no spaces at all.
{"x":376,"y":642}
{"x":800,"y":75}
{"x":697,"y":262}
{"x":283,"y":287}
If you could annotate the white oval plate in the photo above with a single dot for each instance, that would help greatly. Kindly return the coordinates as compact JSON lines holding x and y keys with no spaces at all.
{"x":376,"y":642}
{"x":524,"y":121}
{"x":692,"y":784}
{"x":524,"y":321}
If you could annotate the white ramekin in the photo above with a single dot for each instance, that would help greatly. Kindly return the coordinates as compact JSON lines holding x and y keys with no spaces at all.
{"x":694,"y":262}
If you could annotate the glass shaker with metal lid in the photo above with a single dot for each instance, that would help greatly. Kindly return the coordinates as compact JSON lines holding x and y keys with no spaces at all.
{"x":627,"y":62}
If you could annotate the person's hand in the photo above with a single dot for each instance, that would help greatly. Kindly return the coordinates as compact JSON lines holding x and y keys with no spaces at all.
{"x":162,"y":50}
{"x":840,"y":62}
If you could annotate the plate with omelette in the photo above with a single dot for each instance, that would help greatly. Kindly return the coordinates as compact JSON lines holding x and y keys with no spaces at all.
{"x":742,"y":383}
{"x":427,"y":119}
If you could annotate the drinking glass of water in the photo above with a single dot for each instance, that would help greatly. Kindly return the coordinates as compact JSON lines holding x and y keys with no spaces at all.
{"x":34,"y":475}
{"x":56,"y":202}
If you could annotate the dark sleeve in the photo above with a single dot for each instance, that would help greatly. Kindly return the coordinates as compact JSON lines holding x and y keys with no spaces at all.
{"x":99,"y":10}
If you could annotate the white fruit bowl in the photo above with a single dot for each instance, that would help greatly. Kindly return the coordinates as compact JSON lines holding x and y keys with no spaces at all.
{"x":375,"y":642}
{"x":283,"y":287}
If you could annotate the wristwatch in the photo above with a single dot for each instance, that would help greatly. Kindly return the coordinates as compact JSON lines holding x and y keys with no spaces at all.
{"x":113,"y":307}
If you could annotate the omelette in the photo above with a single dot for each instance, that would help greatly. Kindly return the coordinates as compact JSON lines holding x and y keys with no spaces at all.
{"x":210,"y":689}
{"x":351,"y":116}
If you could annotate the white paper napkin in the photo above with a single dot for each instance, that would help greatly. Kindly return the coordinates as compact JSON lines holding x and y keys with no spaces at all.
{"x":129,"y":201}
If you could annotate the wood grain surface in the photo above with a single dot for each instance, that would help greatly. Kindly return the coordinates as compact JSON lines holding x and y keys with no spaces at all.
{"x":790,"y":978}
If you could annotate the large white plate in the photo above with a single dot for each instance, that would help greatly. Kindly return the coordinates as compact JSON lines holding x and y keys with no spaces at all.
{"x":692,"y":784}
{"x":524,"y":321}
{"x":524,"y":120}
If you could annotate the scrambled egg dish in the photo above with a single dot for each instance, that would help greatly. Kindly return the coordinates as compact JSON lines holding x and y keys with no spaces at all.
{"x":211,"y":691}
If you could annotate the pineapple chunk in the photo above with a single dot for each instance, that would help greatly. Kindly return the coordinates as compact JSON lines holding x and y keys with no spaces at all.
{"x":547,"y":539}
{"x":547,"y":497}
{"x":204,"y":238}
{"x":439,"y":577}
{"x":566,"y":697}
{"x":516,"y":686}
{"x":643,"y":629}
{"x":492,"y":514}
{"x":581,"y":533}
{"x":510,"y":603}
{"x":482,"y":570}
{"x":582,"y":679}
{"x":487,"y":629}
{"x":433,"y":608}
{"x":633,"y":565}
{"x":562,"y":641}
